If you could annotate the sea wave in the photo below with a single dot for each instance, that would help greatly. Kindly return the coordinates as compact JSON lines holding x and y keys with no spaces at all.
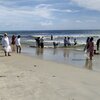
{"x":70,"y":35}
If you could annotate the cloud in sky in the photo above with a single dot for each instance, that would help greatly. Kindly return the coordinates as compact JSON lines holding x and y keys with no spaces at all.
{"x":44,"y":11}
{"x":90,"y":4}
{"x":46,"y":23}
{"x":48,"y":14}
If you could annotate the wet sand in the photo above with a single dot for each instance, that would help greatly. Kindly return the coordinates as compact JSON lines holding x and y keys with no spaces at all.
{"x":25,"y":77}
{"x":75,"y":57}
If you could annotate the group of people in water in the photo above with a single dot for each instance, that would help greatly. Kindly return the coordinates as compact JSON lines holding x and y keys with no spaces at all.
{"x":40,"y":42}
{"x":67,"y":41}
{"x":89,"y":47}
{"x":8,"y":46}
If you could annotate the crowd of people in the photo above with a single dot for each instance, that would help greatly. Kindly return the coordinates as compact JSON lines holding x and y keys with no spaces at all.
{"x":15,"y":44}
{"x":8,"y":46}
{"x":67,"y":41}
{"x":40,"y":42}
{"x":89,"y":47}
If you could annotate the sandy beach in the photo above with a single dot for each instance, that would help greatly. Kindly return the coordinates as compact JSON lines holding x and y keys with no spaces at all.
{"x":26,"y":78}
{"x":49,"y":49}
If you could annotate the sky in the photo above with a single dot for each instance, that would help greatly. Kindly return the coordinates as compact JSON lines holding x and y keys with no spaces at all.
{"x":49,"y":14}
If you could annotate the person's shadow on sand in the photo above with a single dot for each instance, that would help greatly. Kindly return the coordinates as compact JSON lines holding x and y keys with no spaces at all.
{"x":88,"y":64}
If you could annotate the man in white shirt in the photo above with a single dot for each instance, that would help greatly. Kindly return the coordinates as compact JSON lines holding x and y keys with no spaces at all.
{"x":18,"y":44}
{"x":6,"y":45}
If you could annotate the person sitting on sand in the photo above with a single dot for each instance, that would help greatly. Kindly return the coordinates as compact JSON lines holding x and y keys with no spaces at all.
{"x":18,"y":44}
{"x":6,"y":45}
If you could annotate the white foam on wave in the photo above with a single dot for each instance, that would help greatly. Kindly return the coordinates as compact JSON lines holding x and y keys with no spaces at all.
{"x":67,"y":35}
{"x":81,"y":38}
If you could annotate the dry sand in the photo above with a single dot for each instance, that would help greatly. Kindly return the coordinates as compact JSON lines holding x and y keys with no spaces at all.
{"x":27,"y":78}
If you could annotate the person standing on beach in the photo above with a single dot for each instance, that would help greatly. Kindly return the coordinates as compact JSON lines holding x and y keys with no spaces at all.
{"x":86,"y":46}
{"x":90,"y":49}
{"x":18,"y":44}
{"x":6,"y":45}
{"x":98,"y":44}
{"x":65,"y":42}
{"x":13,"y":42}
{"x":42,"y":42}
{"x":68,"y":41}
{"x":38,"y":41}
{"x":51,"y":37}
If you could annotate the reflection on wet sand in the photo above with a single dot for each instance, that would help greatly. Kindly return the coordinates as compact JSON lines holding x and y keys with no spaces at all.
{"x":39,"y":51}
{"x":88,"y":64}
{"x":72,"y":57}
{"x":66,"y":53}
{"x":55,"y":51}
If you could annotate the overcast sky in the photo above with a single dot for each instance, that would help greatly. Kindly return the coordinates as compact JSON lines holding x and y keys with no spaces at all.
{"x":49,"y":14}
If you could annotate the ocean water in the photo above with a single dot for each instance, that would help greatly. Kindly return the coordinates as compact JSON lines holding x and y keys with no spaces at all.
{"x":58,"y":36}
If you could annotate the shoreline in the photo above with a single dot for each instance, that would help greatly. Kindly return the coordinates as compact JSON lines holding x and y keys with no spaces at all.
{"x":68,"y":56}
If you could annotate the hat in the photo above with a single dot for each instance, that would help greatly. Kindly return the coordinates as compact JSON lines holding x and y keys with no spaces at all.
{"x":5,"y":34}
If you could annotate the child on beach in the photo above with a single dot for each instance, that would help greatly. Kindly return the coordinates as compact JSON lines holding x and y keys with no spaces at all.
{"x":6,"y":45}
{"x":18,"y":44}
